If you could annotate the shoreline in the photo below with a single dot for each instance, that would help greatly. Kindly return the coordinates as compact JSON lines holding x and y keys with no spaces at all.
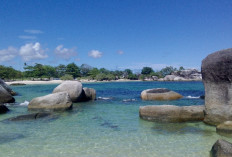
{"x":28,"y":82}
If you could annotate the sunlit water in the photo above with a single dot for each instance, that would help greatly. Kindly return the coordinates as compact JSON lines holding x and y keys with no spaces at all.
{"x":108,"y":127}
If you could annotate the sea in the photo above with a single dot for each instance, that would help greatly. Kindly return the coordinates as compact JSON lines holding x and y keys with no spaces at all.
{"x":107,"y":127}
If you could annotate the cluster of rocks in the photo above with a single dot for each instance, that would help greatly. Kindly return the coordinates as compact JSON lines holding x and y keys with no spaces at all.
{"x":63,"y":97}
{"x":217,"y":78}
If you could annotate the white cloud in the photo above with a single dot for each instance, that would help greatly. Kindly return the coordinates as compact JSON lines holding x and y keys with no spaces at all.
{"x":95,"y":54}
{"x":33,"y":31}
{"x":32,"y":51}
{"x":65,"y":53}
{"x":120,"y":52}
{"x":27,"y":37}
{"x":8,"y":54}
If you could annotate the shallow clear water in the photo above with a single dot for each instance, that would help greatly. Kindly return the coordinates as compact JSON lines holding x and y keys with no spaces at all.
{"x":108,"y":127}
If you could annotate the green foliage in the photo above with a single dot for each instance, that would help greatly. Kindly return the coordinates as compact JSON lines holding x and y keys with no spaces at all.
{"x":147,"y":70}
{"x":132,"y":77}
{"x":73,"y":69}
{"x":181,"y":68}
{"x":85,"y":69}
{"x":10,"y":73}
{"x":94,"y":72}
{"x":67,"y":77}
{"x":60,"y":70}
{"x":167,"y":71}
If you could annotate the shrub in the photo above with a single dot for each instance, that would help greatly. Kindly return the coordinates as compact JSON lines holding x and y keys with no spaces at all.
{"x":67,"y":77}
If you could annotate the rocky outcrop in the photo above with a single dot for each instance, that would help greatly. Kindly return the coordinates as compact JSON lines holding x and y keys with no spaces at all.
{"x":89,"y":94}
{"x":32,"y":116}
{"x":221,"y":148}
{"x":73,"y":88}
{"x":169,"y":78}
{"x":55,"y":101}
{"x":170,"y":113}
{"x":3,"y":109}
{"x":5,"y":96}
{"x":7,"y":88}
{"x":217,"y":76}
{"x":225,"y":127}
{"x":160,"y":94}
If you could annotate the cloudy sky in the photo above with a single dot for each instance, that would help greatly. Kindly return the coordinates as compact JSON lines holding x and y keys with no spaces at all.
{"x":115,"y":34}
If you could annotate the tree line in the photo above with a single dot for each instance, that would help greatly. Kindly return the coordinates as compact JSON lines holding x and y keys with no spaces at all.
{"x":72,"y":71}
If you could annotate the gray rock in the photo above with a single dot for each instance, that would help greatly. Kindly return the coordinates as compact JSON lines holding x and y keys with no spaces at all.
{"x":225,"y":127}
{"x":7,"y":88}
{"x":3,"y":109}
{"x":32,"y":116}
{"x":170,"y":113}
{"x":160,"y":94}
{"x":73,"y":88}
{"x":55,"y":101}
{"x":217,"y":76}
{"x":179,"y":79}
{"x":169,"y":78}
{"x":5,"y":96}
{"x":89,"y":94}
{"x":221,"y":148}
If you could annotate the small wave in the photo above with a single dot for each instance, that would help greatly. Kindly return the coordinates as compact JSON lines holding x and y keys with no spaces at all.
{"x":128,"y":100}
{"x":193,"y":97}
{"x":25,"y":103}
{"x":104,"y":98}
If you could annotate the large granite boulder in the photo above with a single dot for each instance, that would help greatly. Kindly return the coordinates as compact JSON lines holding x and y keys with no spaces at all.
{"x":3,"y":109}
{"x":171,"y":113}
{"x":73,"y":88}
{"x":225,"y":127}
{"x":89,"y":94}
{"x":5,"y":96}
{"x":221,"y":148}
{"x":217,"y":76}
{"x":7,"y":88}
{"x":55,"y":101}
{"x":160,"y":94}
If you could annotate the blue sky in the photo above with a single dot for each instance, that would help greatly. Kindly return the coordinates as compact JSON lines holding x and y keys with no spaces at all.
{"x":115,"y":34}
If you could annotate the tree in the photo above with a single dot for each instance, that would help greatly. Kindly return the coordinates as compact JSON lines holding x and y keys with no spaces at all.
{"x":73,"y":69}
{"x":94,"y":72}
{"x":167,"y":71}
{"x":181,"y":68}
{"x":85,"y":69}
{"x":147,"y":70}
{"x":60,"y":70}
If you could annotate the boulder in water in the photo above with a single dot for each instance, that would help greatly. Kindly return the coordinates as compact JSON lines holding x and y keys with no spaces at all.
{"x":160,"y":94}
{"x":3,"y":109}
{"x":221,"y":148}
{"x":5,"y":96}
{"x":225,"y":127}
{"x":32,"y":116}
{"x":171,"y":113}
{"x":89,"y":94}
{"x":217,"y":78}
{"x":55,"y":101}
{"x":73,"y":88}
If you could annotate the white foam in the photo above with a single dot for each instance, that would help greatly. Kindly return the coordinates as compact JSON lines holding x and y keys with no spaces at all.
{"x":192,"y":97}
{"x":25,"y":103}
{"x":104,"y":98}
{"x":128,"y":100}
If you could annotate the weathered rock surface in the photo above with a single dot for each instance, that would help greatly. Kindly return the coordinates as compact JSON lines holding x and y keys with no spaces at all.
{"x":217,"y":76}
{"x":7,"y":88}
{"x":5,"y":96}
{"x":3,"y":109}
{"x":32,"y":116}
{"x":169,"y":78}
{"x":225,"y":127}
{"x":160,"y":94}
{"x":55,"y":101}
{"x":73,"y":88}
{"x":89,"y":94}
{"x":170,"y":113}
{"x":221,"y":148}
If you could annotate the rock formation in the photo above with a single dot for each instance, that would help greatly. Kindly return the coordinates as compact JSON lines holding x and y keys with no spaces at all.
{"x":217,"y":76}
{"x":221,"y":148}
{"x":160,"y":94}
{"x":171,"y":113}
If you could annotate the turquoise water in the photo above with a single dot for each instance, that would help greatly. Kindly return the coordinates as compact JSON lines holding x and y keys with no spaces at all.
{"x":108,"y":127}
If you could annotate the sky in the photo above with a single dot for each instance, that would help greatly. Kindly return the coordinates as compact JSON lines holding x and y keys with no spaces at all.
{"x":114,"y":34}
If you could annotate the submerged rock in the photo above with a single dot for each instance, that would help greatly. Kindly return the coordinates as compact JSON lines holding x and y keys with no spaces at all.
{"x":56,"y":101}
{"x":171,"y":113}
{"x":160,"y":94}
{"x":17,"y":84}
{"x":3,"y":109}
{"x":225,"y":127}
{"x":221,"y":148}
{"x":32,"y":116}
{"x":73,"y":88}
{"x":217,"y":77}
